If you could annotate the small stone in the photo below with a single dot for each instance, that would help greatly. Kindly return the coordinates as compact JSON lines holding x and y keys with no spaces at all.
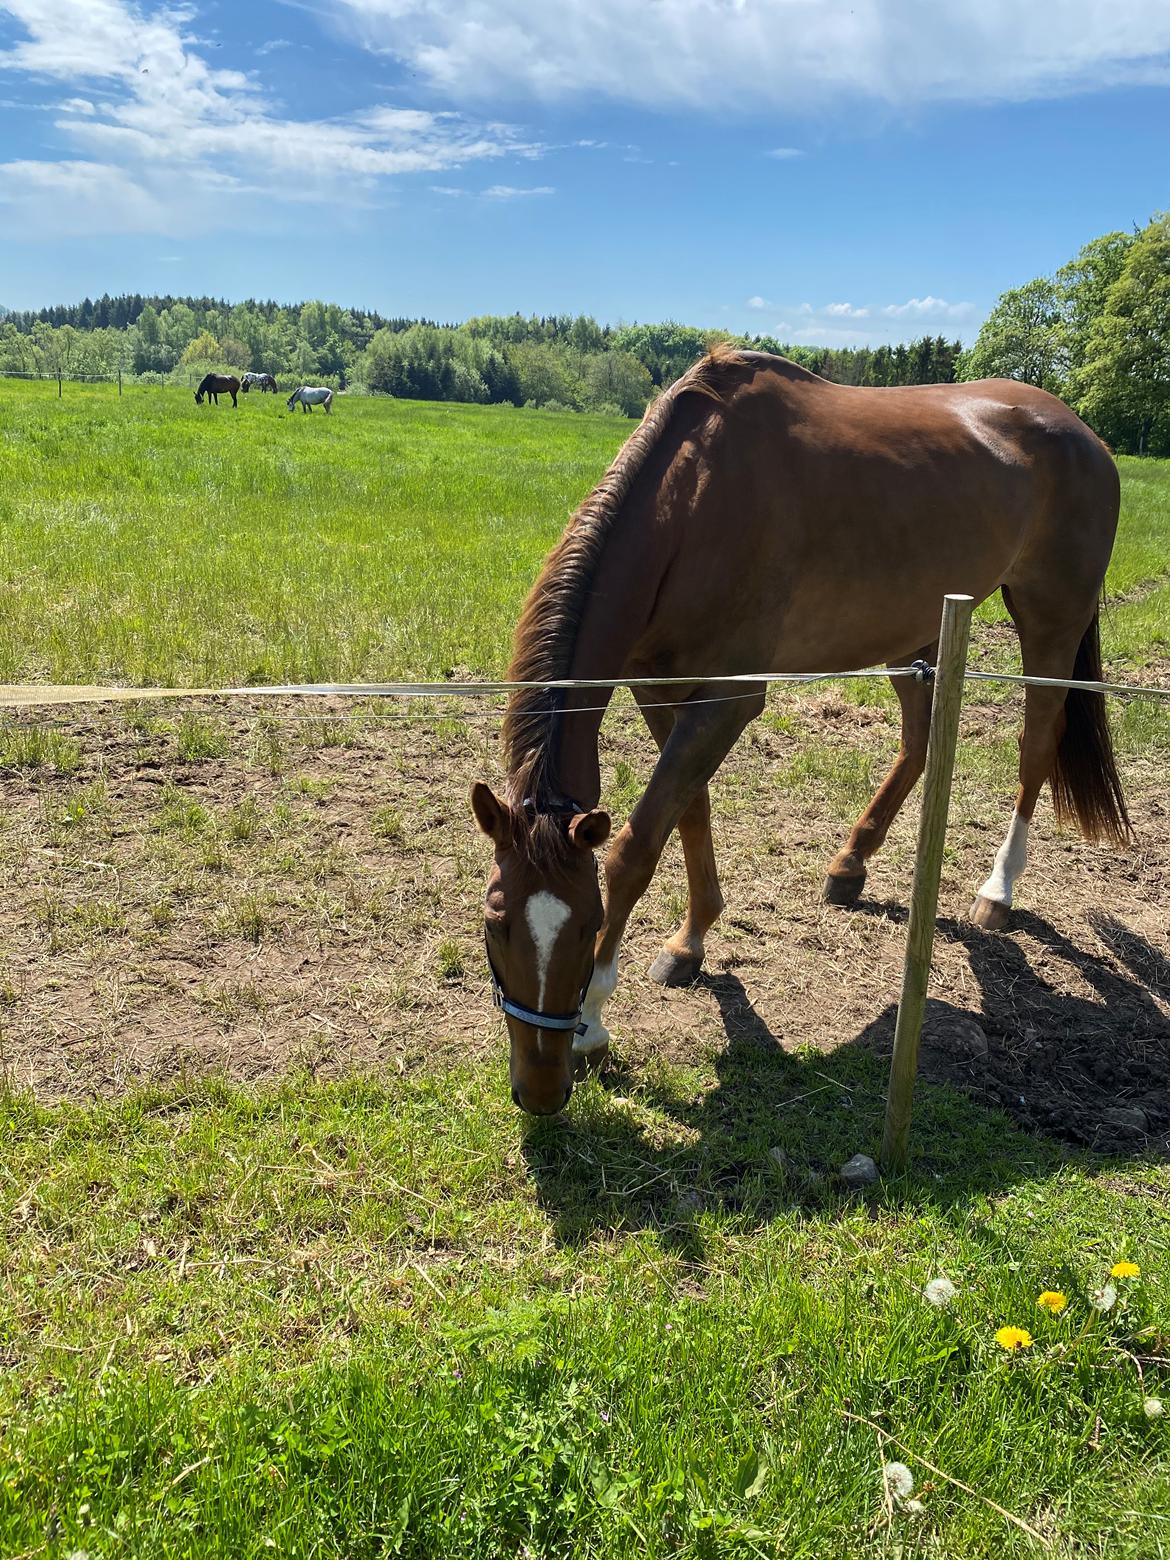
{"x":1127,"y":1118}
{"x":859,"y":1171}
{"x":960,"y":1036}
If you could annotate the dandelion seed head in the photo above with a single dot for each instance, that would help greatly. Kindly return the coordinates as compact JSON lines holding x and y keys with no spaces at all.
{"x":1103,"y":1299}
{"x":1013,"y":1339}
{"x":914,"y":1508}
{"x":899,"y":1480}
{"x":940,"y":1292}
{"x":1153,"y":1408}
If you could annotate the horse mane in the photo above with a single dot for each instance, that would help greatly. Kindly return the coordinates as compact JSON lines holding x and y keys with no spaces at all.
{"x":546,"y":634}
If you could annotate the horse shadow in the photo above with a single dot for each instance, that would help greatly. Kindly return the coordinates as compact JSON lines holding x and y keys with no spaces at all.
{"x":655,"y":1151}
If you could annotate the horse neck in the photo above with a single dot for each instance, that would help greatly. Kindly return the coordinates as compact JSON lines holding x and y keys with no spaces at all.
{"x":618,"y":606}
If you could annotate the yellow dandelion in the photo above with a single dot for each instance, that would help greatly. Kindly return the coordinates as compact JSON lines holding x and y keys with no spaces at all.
{"x":1013,"y":1338}
{"x":1053,"y":1300}
{"x":1125,"y":1270}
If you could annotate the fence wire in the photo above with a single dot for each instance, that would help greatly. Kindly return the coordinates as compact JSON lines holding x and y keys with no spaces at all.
{"x":38,"y":696}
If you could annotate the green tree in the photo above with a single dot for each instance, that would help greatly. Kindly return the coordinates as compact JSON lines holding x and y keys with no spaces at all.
{"x":1082,"y":287}
{"x":203,"y":348}
{"x":1021,"y":338}
{"x":1124,"y":384}
{"x":618,"y":379}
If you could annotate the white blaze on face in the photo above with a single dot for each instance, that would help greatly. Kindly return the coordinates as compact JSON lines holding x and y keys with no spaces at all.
{"x":1010,"y":861}
{"x":546,"y":915}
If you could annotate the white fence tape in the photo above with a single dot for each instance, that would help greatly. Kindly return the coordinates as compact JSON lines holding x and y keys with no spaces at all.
{"x":37,"y":695}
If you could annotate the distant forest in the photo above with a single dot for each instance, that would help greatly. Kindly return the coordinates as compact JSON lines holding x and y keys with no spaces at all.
{"x":1097,"y":333}
{"x":552,"y":361}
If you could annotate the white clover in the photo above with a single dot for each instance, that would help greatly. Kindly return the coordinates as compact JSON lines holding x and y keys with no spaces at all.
{"x":940,"y":1292}
{"x":1153,"y":1408}
{"x":899,"y":1480}
{"x":1103,"y":1299}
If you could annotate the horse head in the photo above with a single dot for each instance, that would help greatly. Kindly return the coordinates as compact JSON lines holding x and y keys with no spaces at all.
{"x":541,"y":918}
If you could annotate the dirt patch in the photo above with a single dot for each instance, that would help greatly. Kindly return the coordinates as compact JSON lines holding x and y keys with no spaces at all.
{"x":254,"y":890}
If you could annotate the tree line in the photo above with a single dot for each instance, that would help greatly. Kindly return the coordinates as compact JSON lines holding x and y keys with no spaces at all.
{"x":553,"y":361}
{"x":1096,"y":333}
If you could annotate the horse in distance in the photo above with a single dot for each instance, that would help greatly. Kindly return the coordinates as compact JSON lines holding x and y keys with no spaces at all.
{"x":311,"y":395}
{"x":214,"y":385}
{"x":763,"y":518}
{"x":261,"y":382}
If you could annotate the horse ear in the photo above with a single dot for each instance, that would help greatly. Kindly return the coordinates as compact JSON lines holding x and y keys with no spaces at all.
{"x":589,"y":831}
{"x":493,"y":816}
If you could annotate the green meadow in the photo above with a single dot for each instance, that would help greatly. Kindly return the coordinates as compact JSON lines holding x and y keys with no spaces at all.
{"x":148,"y":540}
{"x":386,"y":1315}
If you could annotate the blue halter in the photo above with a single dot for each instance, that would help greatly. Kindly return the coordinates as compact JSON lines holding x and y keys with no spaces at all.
{"x":534,"y":1016}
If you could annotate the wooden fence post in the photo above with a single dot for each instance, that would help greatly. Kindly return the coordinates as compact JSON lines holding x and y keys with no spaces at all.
{"x":932,"y":828}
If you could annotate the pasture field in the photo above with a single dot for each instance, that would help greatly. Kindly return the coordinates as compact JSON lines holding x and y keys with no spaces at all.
{"x":282,"y":1271}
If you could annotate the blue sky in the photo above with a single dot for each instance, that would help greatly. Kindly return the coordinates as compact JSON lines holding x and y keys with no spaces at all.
{"x":836,"y":171}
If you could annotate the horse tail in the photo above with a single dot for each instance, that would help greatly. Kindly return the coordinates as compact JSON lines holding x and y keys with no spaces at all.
{"x":1086,"y":788}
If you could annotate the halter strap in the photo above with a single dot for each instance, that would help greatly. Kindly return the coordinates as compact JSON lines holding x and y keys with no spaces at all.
{"x":534,"y":1016}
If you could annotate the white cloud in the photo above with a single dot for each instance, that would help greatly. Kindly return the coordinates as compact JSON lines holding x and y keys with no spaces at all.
{"x":168,"y":124}
{"x":936,"y":308}
{"x":74,"y":200}
{"x":785,"y":153}
{"x":756,"y":302}
{"x":510,"y":192}
{"x":845,"y":311}
{"x":273,"y":45}
{"x":754,"y":54}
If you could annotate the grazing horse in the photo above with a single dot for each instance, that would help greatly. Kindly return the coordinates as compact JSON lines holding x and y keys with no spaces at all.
{"x":310,"y":396}
{"x":261,"y":382}
{"x":761,"y":518}
{"x":214,"y":385}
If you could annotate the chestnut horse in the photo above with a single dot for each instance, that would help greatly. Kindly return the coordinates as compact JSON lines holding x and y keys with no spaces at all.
{"x":761,"y":518}
{"x":214,"y":385}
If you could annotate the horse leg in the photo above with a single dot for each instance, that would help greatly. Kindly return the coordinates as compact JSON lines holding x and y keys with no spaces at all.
{"x":681,"y":958}
{"x":846,"y":876}
{"x":697,"y":744}
{"x":1048,"y":650}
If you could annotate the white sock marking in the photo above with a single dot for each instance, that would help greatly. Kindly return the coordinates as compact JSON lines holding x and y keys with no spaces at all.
{"x":1010,"y":862}
{"x":601,"y":988}
{"x":545,"y":914}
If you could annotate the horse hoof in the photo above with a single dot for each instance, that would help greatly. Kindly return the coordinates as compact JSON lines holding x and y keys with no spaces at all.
{"x":841,"y":890}
{"x":989,"y":914}
{"x":587,"y":1063}
{"x":675,"y":969}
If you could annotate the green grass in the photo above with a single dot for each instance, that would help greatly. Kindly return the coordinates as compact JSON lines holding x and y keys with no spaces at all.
{"x":365,"y":1319}
{"x":148,"y":540}
{"x":152,"y":541}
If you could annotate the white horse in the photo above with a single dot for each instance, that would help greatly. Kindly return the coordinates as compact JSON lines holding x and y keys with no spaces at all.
{"x":310,"y":396}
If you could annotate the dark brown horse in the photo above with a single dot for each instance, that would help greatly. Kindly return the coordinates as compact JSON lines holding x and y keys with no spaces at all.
{"x":761,"y":518}
{"x":214,"y":385}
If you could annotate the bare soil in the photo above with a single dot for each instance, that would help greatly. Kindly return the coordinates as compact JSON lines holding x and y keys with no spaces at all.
{"x":307,"y":897}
